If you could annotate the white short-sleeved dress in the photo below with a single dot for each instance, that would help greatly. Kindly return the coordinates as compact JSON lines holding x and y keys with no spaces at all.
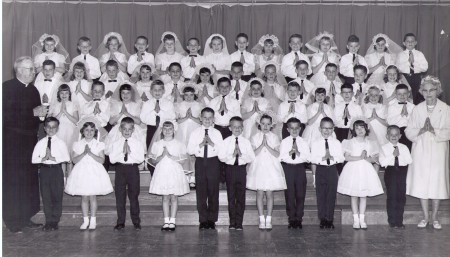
{"x":377,"y":129}
{"x":88,"y":177}
{"x":359,"y":178}
{"x":312,"y":132}
{"x":169,"y":177}
{"x":57,"y":58}
{"x":185,"y":128}
{"x":67,"y":131}
{"x":265,"y":172}
{"x":250,"y":126}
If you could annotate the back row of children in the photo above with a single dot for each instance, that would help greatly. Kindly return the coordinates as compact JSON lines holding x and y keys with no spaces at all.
{"x":114,"y":100}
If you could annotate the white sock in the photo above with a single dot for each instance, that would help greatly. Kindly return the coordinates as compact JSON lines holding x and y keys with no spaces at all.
{"x":269,"y":219}
{"x":166,"y":220}
{"x":172,"y":220}
{"x":86,"y":219}
{"x":261,"y":218}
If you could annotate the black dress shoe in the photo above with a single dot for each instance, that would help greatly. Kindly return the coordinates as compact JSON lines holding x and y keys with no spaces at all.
{"x":47,"y":227}
{"x":211,"y":225}
{"x":330,"y":225}
{"x":292,"y":225}
{"x":137,"y":227}
{"x":16,"y":230}
{"x":323,"y":224}
{"x":232,"y":227}
{"x":119,"y":227}
{"x":55,"y":226}
{"x":33,"y":225}
{"x":298,"y":224}
{"x":203,"y":225}
{"x":239,"y":227}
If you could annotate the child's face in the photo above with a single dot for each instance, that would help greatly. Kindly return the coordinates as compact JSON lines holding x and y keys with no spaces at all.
{"x":410,"y":43}
{"x":380,"y":46}
{"x":360,"y":76}
{"x":126,"y":95}
{"x":268,"y":48}
{"x":113,"y":45}
{"x":78,"y":73}
{"x":146,"y":75}
{"x":241,"y":43}
{"x":236,"y":128}
{"x":270,"y":73}
{"x":51,"y":128}
{"x":168,"y":131}
{"x":256,"y":90}
{"x":189,"y":96}
{"x":402,"y":95}
{"x":97,"y":92}
{"x":236,"y":73}
{"x":393,"y":135}
{"x":193,"y":46}
{"x":347,"y":94}
{"x":141,"y":45}
{"x":169,"y":45}
{"x":326,"y":129}
{"x":207,"y":119}
{"x":216,"y":45}
{"x":392,"y":75}
{"x":331,"y":73}
{"x":294,"y":129}
{"x":292,"y":92}
{"x":157,"y":91}
{"x":265,"y":125}
{"x":85,"y":47}
{"x":374,"y":96}
{"x":353,"y":47}
{"x":224,"y":88}
{"x":48,"y":71}
{"x":302,"y":71}
{"x":295,"y":44}
{"x":320,"y":97}
{"x":89,"y":133}
{"x":126,"y":129}
{"x":175,"y":72}
{"x":112,"y":72}
{"x":49,"y":46}
{"x":64,"y":95}
{"x":360,"y":131}
{"x":205,"y":77}
{"x":325,"y":45}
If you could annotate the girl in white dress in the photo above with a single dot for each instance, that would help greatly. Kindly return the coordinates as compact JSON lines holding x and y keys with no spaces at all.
{"x":188,"y":112}
{"x":64,"y":109}
{"x":48,"y":47}
{"x":80,"y":85}
{"x":375,"y":113}
{"x":252,"y":106}
{"x":216,"y":54}
{"x":88,"y":177}
{"x":393,"y":79}
{"x":265,"y":173}
{"x":168,"y":179}
{"x":113,"y":48}
{"x":359,"y":179}
{"x":267,"y":50}
{"x":325,"y":51}
{"x":170,"y":50}
{"x":144,"y":82}
{"x":205,"y":84}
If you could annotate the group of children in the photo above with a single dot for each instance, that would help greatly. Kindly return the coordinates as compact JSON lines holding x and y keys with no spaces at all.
{"x":254,"y":120}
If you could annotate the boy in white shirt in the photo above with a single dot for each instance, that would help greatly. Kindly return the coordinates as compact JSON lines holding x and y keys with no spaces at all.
{"x":290,"y":60}
{"x":47,"y":84}
{"x":332,"y":84}
{"x":306,"y":86}
{"x":92,"y":64}
{"x":292,"y":107}
{"x":98,"y":107}
{"x":359,"y":87}
{"x":175,"y":84}
{"x":344,"y":112}
{"x":349,"y":60}
{"x":141,"y":56}
{"x":188,"y":63}
{"x":112,"y":78}
{"x":239,"y":88}
{"x":243,"y":56}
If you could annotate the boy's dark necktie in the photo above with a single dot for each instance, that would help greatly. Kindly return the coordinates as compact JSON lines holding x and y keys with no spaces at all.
{"x":293,"y":144}
{"x":237,"y":87}
{"x":302,"y":85}
{"x":125,"y":158}
{"x":345,"y":115}
{"x":360,"y":87}
{"x":236,"y":161}
{"x":396,"y":157}
{"x":354,"y":57}
{"x":411,"y":64}
{"x":223,"y":111}
{"x":49,"y":143}
{"x":327,"y":148}
{"x":242,"y":60}
{"x":205,"y":148}
{"x":85,"y":57}
{"x":158,"y":119}
{"x":296,"y":59}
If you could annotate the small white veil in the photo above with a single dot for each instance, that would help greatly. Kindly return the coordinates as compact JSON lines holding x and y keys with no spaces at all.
{"x":103,"y":48}
{"x":259,"y":47}
{"x":208,"y":50}
{"x":392,"y":47}
{"x":313,"y":45}
{"x":101,"y":132}
{"x":178,"y":46}
{"x":38,"y":47}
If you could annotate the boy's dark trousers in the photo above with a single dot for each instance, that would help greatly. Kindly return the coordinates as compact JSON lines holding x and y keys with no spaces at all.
{"x":326,"y":189}
{"x":236,"y":177}
{"x":296,"y":190}
{"x":414,"y":81}
{"x":150,"y":133}
{"x":225,"y":132}
{"x":51,"y":182}
{"x":127,"y":182}
{"x":395,"y":180}
{"x":207,"y":174}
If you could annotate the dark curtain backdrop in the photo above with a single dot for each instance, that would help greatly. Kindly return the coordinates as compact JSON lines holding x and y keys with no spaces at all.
{"x":24,"y":23}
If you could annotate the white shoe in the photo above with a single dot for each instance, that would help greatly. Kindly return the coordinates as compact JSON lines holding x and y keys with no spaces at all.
{"x":437,"y":225}
{"x":362,"y":222}
{"x":93,"y":223}
{"x":423,"y":224}
{"x":356,"y":224}
{"x":269,"y":222}
{"x":262,"y":222}
{"x":85,"y":224}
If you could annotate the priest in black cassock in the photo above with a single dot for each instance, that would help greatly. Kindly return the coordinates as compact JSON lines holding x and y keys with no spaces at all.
{"x":21,"y":108}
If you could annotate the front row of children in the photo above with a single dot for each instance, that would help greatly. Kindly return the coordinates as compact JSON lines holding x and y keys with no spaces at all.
{"x":263,"y":164}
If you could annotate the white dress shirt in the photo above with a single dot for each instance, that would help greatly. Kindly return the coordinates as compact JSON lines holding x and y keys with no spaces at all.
{"x":133,"y":63}
{"x":318,"y":151}
{"x":135,"y":156}
{"x":92,"y":64}
{"x":188,"y":71}
{"x":48,"y":88}
{"x":300,"y":111}
{"x":364,"y":87}
{"x":243,"y":91}
{"x":227,"y":149}
{"x":353,"y":109}
{"x":387,"y":157}
{"x":327,"y":85}
{"x":309,"y":87}
{"x":288,"y":66}
{"x":165,"y":59}
{"x":233,"y":107}
{"x":58,"y":150}
{"x":166,"y":112}
{"x":249,"y":65}
{"x":374,"y":58}
{"x":346,"y":64}
{"x":286,"y":147}
{"x":387,"y":89}
{"x":78,"y":98}
{"x":196,"y":139}
{"x":87,"y":110}
{"x":144,"y":87}
{"x":168,"y":87}
{"x":420,"y":62}
{"x":112,"y":84}
{"x":394,"y":116}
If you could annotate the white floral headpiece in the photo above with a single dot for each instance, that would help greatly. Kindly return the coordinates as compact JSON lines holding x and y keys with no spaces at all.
{"x":190,"y":84}
{"x":168,"y":33}
{"x":218,"y":35}
{"x":267,"y":36}
{"x":204,"y":65}
{"x":110,"y":34}
{"x":271,"y":114}
{"x":362,"y":118}
{"x":263,"y":68}
{"x":386,"y":39}
{"x":45,"y":36}
{"x":256,"y":79}
{"x":324,"y":34}
{"x":174,"y":123}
